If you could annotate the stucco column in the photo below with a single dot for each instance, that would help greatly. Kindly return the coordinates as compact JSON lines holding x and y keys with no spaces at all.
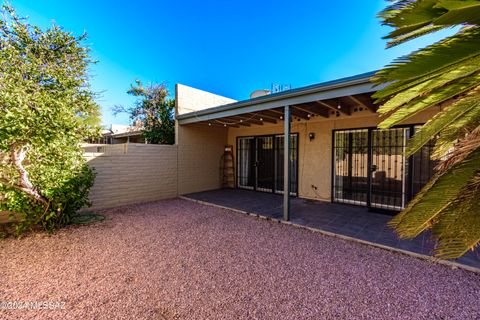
{"x":286,"y":164}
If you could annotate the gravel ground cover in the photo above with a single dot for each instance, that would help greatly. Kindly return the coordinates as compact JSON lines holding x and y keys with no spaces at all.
{"x":176,"y":259}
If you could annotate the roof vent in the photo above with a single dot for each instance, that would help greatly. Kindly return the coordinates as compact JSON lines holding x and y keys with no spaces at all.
{"x":259,"y":93}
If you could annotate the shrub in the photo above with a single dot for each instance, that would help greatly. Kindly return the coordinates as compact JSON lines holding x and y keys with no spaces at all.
{"x":46,"y":111}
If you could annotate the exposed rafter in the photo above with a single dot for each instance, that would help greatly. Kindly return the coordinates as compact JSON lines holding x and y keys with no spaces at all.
{"x":319,"y":111}
{"x":267,"y":116}
{"x":368,"y":105}
{"x":243,"y":121}
{"x":299,"y":113}
{"x":266,"y":119}
{"x":343,"y":110}
{"x":214,"y":123}
{"x":275,"y":112}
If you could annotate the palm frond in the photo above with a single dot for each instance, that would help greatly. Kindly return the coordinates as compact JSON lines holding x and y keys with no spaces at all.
{"x":454,"y":132}
{"x":416,"y":32}
{"x":445,"y":74}
{"x":398,"y":87}
{"x":458,"y":228}
{"x":407,"y":30}
{"x":461,"y":151}
{"x":407,"y":13}
{"x":453,"y":73}
{"x":450,"y":114}
{"x":395,"y":8}
{"x":434,"y":198}
{"x":433,"y":98}
{"x":430,"y":60}
{"x":459,"y":12}
{"x":455,"y":4}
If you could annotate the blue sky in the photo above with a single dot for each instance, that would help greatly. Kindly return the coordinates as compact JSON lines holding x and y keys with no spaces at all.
{"x":226,"y":47}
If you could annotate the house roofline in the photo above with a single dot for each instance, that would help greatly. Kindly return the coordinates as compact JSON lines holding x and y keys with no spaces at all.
{"x":359,"y":79}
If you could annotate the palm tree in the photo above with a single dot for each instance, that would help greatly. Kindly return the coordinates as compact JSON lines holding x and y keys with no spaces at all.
{"x":445,"y":74}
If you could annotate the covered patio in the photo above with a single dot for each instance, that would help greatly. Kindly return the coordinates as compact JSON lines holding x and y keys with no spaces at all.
{"x":276,"y":160}
{"x":346,"y":220}
{"x":318,"y":142}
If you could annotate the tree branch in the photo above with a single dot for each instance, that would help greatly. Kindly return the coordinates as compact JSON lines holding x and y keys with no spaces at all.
{"x":24,"y":184}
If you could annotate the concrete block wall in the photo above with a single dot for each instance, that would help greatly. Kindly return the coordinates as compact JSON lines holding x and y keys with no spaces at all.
{"x":132,"y":173}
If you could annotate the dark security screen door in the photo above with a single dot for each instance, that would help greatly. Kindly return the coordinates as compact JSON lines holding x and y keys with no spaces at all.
{"x":389,"y":168}
{"x":264,"y":164}
{"x":260,"y":163}
{"x":246,"y":163}
{"x":370,"y":167}
{"x":293,"y":163}
{"x":350,"y":182}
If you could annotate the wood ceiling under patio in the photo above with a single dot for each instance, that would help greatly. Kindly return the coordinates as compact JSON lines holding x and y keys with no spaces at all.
{"x":329,"y":108}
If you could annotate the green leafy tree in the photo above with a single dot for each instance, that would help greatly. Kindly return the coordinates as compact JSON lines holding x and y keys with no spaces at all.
{"x":46,"y":110}
{"x":445,"y":74}
{"x":152,"y":112}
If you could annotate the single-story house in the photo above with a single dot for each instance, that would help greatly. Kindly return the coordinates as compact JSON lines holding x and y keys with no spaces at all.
{"x":118,"y":133}
{"x":333,"y":151}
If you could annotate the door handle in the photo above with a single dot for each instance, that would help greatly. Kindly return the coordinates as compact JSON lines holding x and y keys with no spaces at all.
{"x":373,"y":168}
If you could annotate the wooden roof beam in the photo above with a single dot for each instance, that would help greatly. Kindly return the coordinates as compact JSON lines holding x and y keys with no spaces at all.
{"x":213,"y":123}
{"x":267,"y":115}
{"x":295,"y":113}
{"x":266,"y":119}
{"x":243,"y":121}
{"x":315,"y":111}
{"x":250,"y":118}
{"x":300,"y":113}
{"x":367,"y":105}
{"x":343,"y":110}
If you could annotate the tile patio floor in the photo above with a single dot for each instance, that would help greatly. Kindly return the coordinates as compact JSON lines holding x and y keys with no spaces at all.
{"x":348,"y":220}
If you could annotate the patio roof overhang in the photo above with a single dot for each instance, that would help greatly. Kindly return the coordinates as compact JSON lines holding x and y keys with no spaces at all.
{"x":323,"y":100}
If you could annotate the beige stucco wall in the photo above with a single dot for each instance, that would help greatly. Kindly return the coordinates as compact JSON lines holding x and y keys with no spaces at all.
{"x":200,"y":149}
{"x":132,"y":173}
{"x":190,"y":99}
{"x":315,"y":157}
